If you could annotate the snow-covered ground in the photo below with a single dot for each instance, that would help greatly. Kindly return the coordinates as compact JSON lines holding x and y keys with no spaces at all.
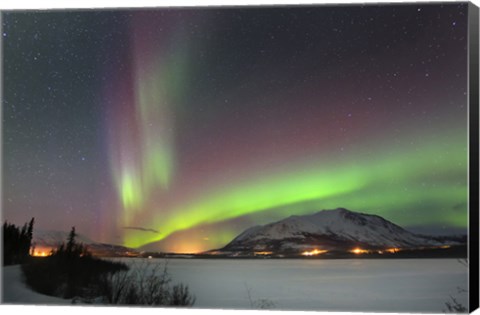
{"x":15,"y":291}
{"x":351,"y":285}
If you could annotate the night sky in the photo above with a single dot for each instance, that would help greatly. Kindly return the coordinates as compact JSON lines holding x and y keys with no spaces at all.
{"x":183,"y":127}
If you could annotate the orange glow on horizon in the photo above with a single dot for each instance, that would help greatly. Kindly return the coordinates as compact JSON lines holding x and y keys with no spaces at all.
{"x":42,"y":252}
{"x":314,"y":252}
{"x":359,"y":251}
{"x":186,"y":248}
{"x":263,"y":253}
{"x":392,"y":250}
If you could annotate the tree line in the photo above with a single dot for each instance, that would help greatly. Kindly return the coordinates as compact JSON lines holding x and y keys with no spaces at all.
{"x":72,"y":272}
{"x":17,"y":242}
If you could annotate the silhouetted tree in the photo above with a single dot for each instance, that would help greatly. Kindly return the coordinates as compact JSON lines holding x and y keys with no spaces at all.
{"x":71,"y":240}
{"x":30,"y":229}
{"x":17,"y":242}
{"x":71,"y":250}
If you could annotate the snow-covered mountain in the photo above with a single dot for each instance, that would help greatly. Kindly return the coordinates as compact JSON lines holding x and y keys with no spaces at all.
{"x":50,"y":238}
{"x":332,"y":230}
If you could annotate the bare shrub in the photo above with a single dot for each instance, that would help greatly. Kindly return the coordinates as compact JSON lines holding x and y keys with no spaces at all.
{"x":181,"y":295}
{"x":453,"y":306}
{"x":145,"y":284}
{"x":258,"y":303}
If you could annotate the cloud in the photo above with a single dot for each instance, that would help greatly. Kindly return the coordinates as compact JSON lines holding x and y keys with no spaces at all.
{"x":140,"y":229}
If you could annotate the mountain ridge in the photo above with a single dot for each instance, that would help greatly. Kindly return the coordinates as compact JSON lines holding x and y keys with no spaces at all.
{"x":52,"y":239}
{"x":336,"y":229}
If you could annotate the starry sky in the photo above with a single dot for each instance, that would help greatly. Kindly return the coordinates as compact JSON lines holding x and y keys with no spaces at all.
{"x":176,"y":129}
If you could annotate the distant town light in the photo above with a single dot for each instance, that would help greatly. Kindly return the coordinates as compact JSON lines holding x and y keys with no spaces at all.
{"x":262,"y":253}
{"x":42,"y":253}
{"x":314,"y":252}
{"x":393,"y":250}
{"x":358,"y":251}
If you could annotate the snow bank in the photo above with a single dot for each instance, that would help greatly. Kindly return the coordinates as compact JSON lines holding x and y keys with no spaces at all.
{"x":15,"y":291}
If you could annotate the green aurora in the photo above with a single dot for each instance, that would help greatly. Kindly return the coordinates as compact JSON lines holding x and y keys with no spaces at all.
{"x":406,"y":169}
{"x":429,"y":175}
{"x":177,"y":129}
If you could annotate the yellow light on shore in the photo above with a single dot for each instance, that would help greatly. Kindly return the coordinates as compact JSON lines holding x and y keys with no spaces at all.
{"x":41,"y":253}
{"x":314,"y":252}
{"x":262,"y":253}
{"x":392,"y":250}
{"x":359,"y":251}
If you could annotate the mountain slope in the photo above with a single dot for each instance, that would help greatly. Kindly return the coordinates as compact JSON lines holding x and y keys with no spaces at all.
{"x":338,"y":229}
{"x":53,"y":239}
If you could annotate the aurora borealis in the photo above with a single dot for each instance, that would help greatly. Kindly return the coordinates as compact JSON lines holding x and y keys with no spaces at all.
{"x":140,"y":120}
{"x":176,"y":129}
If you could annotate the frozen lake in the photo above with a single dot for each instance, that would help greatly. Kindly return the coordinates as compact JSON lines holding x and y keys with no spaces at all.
{"x":370,"y":285}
